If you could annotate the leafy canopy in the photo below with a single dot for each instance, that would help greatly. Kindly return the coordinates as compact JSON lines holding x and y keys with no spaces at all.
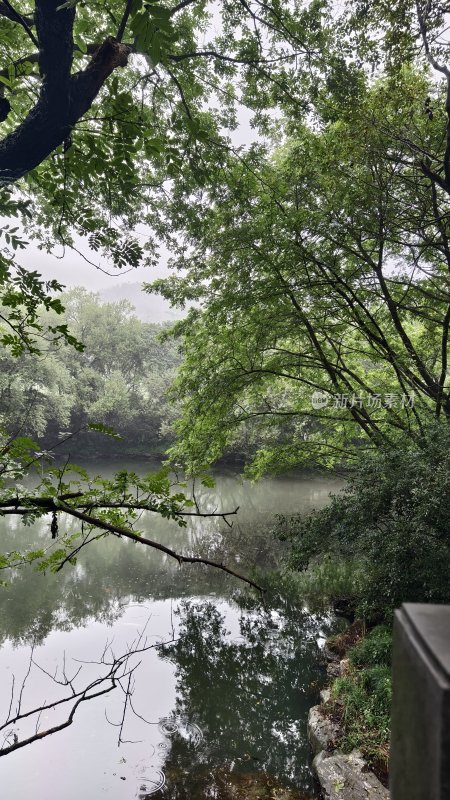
{"x":322,"y":268}
{"x":100,"y":110}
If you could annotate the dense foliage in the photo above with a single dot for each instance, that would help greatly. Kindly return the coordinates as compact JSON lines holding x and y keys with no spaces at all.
{"x":391,"y":522}
{"x":120,"y":378}
{"x":323,"y":275}
{"x":101,"y":109}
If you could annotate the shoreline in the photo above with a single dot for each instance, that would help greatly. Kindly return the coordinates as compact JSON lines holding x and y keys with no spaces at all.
{"x":340,"y":775}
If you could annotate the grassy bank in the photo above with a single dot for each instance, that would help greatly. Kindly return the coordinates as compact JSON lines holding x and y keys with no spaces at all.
{"x":361,"y":696}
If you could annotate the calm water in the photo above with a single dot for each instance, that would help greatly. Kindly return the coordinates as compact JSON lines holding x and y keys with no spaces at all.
{"x":215,"y":703}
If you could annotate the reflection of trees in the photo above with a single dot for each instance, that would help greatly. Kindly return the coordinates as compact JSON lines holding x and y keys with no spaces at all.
{"x":112,"y":571}
{"x":249,"y":695}
{"x":235,"y":733}
{"x":103,"y":581}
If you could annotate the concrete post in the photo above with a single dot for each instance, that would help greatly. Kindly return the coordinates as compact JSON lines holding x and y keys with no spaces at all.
{"x":420,"y":740}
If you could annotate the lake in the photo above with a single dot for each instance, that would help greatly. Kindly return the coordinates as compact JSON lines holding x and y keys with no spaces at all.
{"x":203,"y":691}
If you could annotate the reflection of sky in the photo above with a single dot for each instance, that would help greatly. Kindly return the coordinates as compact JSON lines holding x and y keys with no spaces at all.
{"x":84,"y":760}
{"x":114,"y":591}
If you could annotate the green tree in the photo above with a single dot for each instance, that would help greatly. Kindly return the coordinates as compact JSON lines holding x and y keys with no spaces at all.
{"x":120,"y":378}
{"x":325,"y":268}
{"x":98,"y":107}
{"x":34,"y":391}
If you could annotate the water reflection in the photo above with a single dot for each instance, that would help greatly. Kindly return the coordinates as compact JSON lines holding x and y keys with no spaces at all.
{"x":246,"y":681}
{"x":114,"y":571}
{"x":220,"y":713}
{"x":150,"y":786}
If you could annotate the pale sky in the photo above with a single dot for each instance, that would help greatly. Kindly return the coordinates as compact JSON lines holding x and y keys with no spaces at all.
{"x":73,"y":270}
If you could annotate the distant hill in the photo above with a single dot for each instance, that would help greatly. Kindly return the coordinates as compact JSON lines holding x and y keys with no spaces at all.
{"x":149,"y":307}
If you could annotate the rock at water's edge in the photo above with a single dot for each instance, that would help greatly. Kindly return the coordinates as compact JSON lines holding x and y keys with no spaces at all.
{"x":323,"y":733}
{"x":325,"y":696}
{"x":333,"y":669}
{"x":342,"y":777}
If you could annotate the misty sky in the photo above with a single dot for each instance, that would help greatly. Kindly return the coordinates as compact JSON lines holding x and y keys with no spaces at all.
{"x":72,"y":270}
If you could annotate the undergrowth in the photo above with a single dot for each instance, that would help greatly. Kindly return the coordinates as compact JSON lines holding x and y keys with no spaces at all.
{"x":363,"y":699}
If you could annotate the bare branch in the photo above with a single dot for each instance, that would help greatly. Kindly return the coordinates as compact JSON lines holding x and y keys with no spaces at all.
{"x":50,"y":731}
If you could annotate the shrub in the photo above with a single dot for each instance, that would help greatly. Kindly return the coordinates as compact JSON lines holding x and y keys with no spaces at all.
{"x":363,"y":698}
{"x":393,"y":520}
{"x":366,"y":702}
{"x":373,"y":649}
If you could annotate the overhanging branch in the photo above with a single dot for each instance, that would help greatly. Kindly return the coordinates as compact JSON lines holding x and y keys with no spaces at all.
{"x":64,"y":98}
{"x":129,"y":534}
{"x":8,"y":10}
{"x":24,"y":506}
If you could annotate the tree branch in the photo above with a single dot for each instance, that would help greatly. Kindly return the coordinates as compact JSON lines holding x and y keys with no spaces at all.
{"x":7,"y":10}
{"x":181,"y":5}
{"x":124,"y":20}
{"x":118,"y":669}
{"x":64,"y":98}
{"x":129,"y":534}
{"x":444,"y":70}
{"x":25,"y":505}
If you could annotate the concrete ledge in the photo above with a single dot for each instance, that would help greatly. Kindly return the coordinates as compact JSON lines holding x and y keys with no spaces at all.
{"x":420,"y":740}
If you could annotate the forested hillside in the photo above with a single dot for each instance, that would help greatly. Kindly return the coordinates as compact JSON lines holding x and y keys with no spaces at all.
{"x":119,"y":379}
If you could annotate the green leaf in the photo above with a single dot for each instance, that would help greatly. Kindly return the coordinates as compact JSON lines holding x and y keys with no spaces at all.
{"x":81,"y":44}
{"x":105,"y":429}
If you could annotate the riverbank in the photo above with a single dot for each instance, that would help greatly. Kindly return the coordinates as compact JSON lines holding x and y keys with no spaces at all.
{"x":349,"y":730}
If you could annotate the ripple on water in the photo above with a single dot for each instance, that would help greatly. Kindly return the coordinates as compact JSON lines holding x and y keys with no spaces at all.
{"x":170,"y":726}
{"x":149,"y":786}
